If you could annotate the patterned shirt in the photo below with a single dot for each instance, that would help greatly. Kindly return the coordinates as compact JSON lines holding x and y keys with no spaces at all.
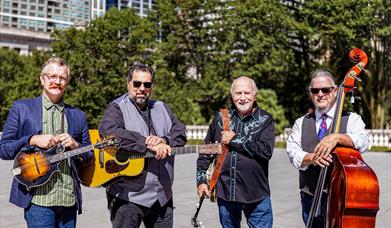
{"x":58,"y":191}
{"x":244,"y":175}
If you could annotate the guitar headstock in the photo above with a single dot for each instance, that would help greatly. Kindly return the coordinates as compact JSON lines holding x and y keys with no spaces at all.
{"x":108,"y":142}
{"x":214,"y":148}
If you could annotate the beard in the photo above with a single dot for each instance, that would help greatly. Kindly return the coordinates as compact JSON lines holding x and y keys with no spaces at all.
{"x":244,"y":108}
{"x":141,"y":101}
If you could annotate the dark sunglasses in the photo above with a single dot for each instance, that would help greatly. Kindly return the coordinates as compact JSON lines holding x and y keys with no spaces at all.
{"x":137,"y":84}
{"x":325,"y":90}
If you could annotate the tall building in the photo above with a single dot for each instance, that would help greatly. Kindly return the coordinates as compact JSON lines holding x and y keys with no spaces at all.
{"x":98,"y":8}
{"x":140,"y":6}
{"x":26,"y":24}
{"x":43,"y":15}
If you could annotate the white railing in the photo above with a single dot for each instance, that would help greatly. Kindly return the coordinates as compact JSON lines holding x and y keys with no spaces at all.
{"x":378,"y":137}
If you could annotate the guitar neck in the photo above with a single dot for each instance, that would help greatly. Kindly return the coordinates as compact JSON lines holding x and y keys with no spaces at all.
{"x":175,"y":151}
{"x":71,"y":153}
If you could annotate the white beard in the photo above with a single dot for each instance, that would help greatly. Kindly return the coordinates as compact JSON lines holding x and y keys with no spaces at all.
{"x":244,"y":108}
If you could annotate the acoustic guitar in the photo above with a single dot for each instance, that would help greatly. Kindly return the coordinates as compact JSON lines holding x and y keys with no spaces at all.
{"x":110,"y":164}
{"x":36,"y":169}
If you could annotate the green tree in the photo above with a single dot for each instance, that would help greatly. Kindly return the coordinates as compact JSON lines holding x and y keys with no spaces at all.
{"x":331,"y":28}
{"x":19,"y":78}
{"x":99,"y":58}
{"x":267,"y":100}
{"x":218,"y":41}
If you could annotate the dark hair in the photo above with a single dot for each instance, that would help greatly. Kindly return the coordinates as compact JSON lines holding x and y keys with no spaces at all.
{"x":137,"y":66}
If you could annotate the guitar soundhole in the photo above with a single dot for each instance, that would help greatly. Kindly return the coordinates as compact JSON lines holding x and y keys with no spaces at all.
{"x":113,"y":167}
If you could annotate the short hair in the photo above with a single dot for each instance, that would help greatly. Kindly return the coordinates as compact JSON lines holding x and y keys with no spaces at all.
{"x":137,"y":66}
{"x":252,"y":82}
{"x":56,"y":60}
{"x":321,"y":73}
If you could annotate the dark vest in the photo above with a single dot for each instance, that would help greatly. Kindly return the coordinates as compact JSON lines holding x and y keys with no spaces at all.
{"x":309,"y":140}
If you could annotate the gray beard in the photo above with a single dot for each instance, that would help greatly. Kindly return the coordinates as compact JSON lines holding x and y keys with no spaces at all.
{"x":140,"y":101}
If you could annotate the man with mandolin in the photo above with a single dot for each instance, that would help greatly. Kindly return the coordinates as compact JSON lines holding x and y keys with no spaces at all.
{"x":35,"y":126}
{"x":142,"y":125}
{"x":242,"y":182}
{"x":309,"y":145}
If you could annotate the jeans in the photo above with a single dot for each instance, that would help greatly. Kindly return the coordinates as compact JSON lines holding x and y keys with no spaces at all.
{"x":50,"y":217}
{"x":306,"y":202}
{"x":258,"y":214}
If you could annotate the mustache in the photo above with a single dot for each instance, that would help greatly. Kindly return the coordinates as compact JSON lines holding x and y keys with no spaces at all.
{"x":56,"y":87}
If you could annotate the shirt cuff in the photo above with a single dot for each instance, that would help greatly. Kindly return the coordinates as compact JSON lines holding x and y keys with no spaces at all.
{"x":300,"y":159}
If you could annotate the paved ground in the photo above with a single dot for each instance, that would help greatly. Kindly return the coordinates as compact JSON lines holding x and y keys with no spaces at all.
{"x":284,"y":187}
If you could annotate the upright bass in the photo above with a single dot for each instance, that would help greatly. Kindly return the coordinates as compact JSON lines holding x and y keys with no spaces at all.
{"x":352,"y":186}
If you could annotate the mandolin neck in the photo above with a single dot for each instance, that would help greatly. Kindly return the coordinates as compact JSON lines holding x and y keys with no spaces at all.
{"x":71,"y":153}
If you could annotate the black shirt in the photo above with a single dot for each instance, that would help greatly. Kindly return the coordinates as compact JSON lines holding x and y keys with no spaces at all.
{"x":244,"y":175}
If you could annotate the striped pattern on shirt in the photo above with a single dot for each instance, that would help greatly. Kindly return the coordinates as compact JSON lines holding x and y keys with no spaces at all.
{"x":58,"y":191}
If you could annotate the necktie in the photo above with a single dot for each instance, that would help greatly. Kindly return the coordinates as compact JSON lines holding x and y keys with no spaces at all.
{"x":323,"y":127}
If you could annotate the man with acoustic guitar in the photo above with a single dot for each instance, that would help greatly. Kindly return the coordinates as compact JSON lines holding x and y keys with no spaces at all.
{"x":143,"y":125}
{"x":309,"y":146}
{"x":42,"y":123}
{"x":243,"y":181}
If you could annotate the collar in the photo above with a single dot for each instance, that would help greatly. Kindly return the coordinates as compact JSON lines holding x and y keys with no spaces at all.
{"x":330,"y":113}
{"x":48,"y":104}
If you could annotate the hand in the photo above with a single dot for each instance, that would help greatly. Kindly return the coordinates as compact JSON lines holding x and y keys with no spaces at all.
{"x":162,"y":150}
{"x":44,"y":141}
{"x":152,"y":140}
{"x":226,"y":136}
{"x":326,"y":145}
{"x":68,"y":141}
{"x":322,"y":160}
{"x":202,"y":189}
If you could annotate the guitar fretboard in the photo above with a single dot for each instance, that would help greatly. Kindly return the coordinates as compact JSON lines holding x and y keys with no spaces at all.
{"x":175,"y":151}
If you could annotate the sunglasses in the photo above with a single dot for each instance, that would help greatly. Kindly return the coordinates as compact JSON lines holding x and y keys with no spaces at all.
{"x":325,"y":90}
{"x":137,"y":84}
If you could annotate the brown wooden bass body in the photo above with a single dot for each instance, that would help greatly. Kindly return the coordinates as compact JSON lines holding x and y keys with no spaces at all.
{"x":353,"y":199}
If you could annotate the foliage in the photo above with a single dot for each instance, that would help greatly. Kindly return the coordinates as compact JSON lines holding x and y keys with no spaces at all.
{"x":337,"y":27}
{"x":380,"y":149}
{"x":99,"y":58}
{"x":19,"y":78}
{"x":219,"y":41}
{"x":199,"y":47}
{"x":267,"y":100}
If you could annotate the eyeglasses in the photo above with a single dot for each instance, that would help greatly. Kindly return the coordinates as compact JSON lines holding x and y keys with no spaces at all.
{"x":53,"y":77}
{"x":137,"y":84}
{"x":325,"y":90}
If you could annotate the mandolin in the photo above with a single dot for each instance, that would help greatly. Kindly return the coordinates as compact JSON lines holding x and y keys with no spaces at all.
{"x":36,"y":169}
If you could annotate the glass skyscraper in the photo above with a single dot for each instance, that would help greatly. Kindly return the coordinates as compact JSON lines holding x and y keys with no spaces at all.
{"x":43,"y":15}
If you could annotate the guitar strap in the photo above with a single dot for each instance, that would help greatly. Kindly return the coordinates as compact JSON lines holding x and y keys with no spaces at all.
{"x":224,"y":150}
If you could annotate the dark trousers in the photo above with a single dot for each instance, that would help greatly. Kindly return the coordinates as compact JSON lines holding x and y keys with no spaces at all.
{"x":129,"y":215}
{"x":306,"y":203}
